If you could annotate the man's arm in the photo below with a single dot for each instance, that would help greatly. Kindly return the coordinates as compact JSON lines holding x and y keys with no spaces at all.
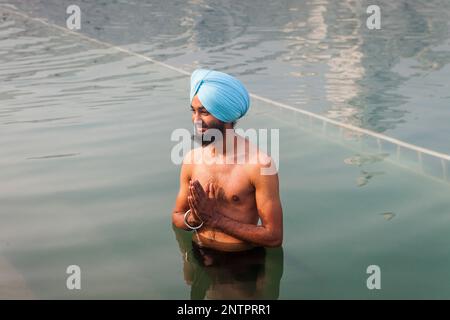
{"x":270,"y":232}
{"x":181,"y":203}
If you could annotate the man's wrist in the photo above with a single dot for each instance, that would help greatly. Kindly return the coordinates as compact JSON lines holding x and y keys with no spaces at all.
{"x":193,"y":220}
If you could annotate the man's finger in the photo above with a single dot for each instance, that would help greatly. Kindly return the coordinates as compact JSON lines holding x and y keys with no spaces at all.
{"x":192,"y":207}
{"x":196,"y":194}
{"x":210,"y":192}
{"x":195,"y":200}
{"x":190,"y":203}
{"x":192,"y":192}
{"x":213,"y":190}
{"x":198,"y":187}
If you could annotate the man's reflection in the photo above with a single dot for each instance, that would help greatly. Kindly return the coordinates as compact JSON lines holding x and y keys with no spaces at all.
{"x":252,"y":274}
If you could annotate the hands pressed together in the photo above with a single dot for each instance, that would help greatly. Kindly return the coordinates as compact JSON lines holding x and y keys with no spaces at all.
{"x":203,"y":203}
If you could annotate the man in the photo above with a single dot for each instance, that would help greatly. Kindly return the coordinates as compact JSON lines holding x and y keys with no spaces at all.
{"x":225,"y":190}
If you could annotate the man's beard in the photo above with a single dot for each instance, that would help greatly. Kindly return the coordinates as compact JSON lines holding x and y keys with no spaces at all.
{"x":205,"y":139}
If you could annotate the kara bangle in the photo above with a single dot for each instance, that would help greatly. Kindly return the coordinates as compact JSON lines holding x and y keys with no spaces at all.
{"x":187,"y":223}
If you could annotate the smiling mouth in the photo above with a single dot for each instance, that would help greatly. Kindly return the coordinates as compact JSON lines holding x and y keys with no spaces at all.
{"x":201,"y":129}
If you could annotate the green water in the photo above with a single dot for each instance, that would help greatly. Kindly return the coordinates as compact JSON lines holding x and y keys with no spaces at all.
{"x":86,"y":178}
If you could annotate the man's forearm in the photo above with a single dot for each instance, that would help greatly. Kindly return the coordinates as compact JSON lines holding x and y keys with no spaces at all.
{"x":257,"y":235}
{"x":178,"y":220}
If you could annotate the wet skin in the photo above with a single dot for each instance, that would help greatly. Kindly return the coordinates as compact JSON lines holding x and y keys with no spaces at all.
{"x":226,"y":190}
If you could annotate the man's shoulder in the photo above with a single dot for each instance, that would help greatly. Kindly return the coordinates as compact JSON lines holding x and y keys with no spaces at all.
{"x":259,"y":162}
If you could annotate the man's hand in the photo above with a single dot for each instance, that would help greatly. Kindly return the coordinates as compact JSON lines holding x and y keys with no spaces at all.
{"x":193,"y":218}
{"x":203,"y":203}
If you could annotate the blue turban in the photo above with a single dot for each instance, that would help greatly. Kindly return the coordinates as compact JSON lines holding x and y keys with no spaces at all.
{"x":224,"y":96}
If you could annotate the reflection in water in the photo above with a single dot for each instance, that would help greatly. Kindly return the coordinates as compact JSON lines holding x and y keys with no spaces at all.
{"x":366,"y":159}
{"x":361,"y":159}
{"x":345,"y":66}
{"x":253,"y":274}
{"x":12,"y":283}
{"x":388,"y":215}
{"x":316,"y":54}
{"x":365,"y":176}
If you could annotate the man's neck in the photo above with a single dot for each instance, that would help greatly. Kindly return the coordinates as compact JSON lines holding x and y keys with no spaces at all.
{"x":224,"y":146}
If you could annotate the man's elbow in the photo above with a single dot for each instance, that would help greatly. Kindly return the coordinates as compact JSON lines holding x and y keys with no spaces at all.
{"x":275,"y":241}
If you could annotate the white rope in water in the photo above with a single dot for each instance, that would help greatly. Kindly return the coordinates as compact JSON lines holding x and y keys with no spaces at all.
{"x":356,"y":129}
{"x":379,"y":137}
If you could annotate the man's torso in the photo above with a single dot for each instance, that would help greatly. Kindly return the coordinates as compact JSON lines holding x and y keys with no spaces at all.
{"x":235,"y":193}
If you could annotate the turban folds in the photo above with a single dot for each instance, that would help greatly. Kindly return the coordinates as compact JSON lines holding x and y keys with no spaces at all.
{"x":224,"y":96}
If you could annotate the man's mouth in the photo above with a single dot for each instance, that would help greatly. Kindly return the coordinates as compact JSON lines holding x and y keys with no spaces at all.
{"x":201,"y":129}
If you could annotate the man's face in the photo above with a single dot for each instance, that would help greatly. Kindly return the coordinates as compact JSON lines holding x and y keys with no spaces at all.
{"x":202,"y":119}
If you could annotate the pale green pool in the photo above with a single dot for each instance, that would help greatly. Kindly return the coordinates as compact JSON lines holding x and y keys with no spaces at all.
{"x":86,"y":176}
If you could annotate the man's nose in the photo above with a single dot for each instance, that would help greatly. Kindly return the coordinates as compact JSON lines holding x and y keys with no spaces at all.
{"x":196,"y":117}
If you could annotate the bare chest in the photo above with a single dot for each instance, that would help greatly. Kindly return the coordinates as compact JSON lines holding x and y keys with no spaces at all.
{"x":232,"y":184}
